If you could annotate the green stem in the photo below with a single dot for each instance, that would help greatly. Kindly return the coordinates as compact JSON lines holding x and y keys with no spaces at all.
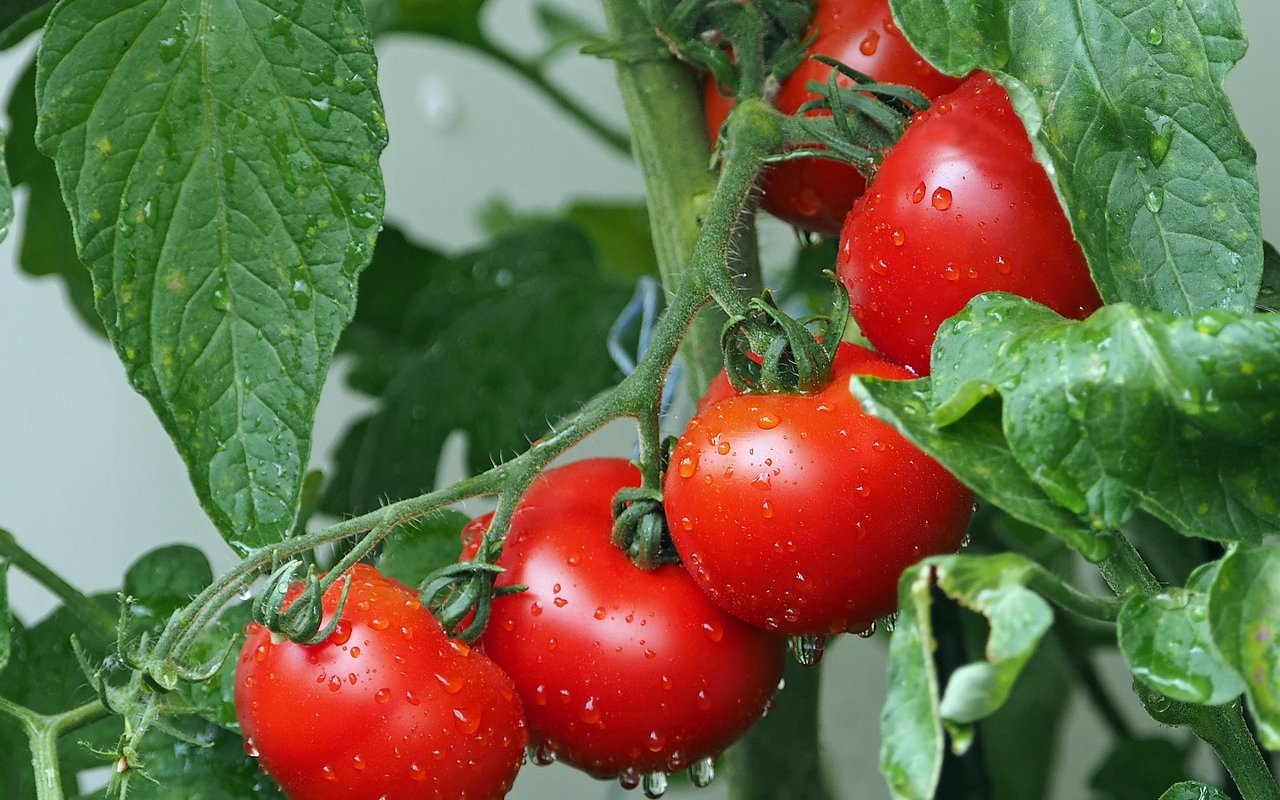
{"x":781,"y":757}
{"x":80,"y":605}
{"x":616,"y":140}
{"x":1068,"y":597}
{"x":43,"y":733}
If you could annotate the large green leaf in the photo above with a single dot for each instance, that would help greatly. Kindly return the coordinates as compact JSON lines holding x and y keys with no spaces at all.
{"x":1166,"y":639}
{"x":1125,"y":104}
{"x":47,"y":246}
{"x":165,"y":579}
{"x":1126,"y":410}
{"x":1244,"y":615}
{"x":914,"y":714}
{"x":220,"y":163}
{"x":496,"y":343}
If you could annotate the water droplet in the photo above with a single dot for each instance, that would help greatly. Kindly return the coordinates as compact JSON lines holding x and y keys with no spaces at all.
{"x":355,"y":652}
{"x":219,"y":299}
{"x":654,"y":784}
{"x":411,"y":698}
{"x":1161,"y":139}
{"x":591,"y":712}
{"x":451,"y":685}
{"x":301,"y":288}
{"x":656,"y":742}
{"x":807,"y":648}
{"x":601,"y":613}
{"x":879,"y":267}
{"x":382,"y":696}
{"x":898,"y":237}
{"x":328,"y":773}
{"x":941,"y":198}
{"x":466,"y":722}
{"x":416,"y":772}
{"x":357,"y":762}
{"x":249,"y":749}
{"x":379,"y":624}
{"x":704,"y":702}
{"x":260,"y":654}
{"x":723,"y":448}
{"x":1154,"y":199}
{"x":628,"y":779}
{"x":335,"y":683}
{"x":702,"y":772}
{"x":542,"y":754}
{"x":869,"y":43}
{"x":766,"y":508}
{"x":688,"y":465}
{"x":714,"y":630}
{"x":868,"y":632}
{"x":1155,"y":36}
{"x":768,"y":421}
{"x":1002,"y":266}
{"x":918,"y":194}
{"x":951,"y":272}
{"x":535,"y":608}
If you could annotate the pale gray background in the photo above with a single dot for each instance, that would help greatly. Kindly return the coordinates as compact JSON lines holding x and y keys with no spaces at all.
{"x":88,"y":479}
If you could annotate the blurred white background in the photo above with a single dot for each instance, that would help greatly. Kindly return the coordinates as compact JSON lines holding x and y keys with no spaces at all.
{"x":88,"y":479}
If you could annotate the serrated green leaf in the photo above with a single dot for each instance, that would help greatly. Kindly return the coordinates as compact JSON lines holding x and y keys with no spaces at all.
{"x":1133,"y":766}
{"x":1128,"y":409}
{"x":1193,"y":790}
{"x":1142,"y":144}
{"x":47,"y":246}
{"x":165,"y":579}
{"x":1166,"y":640}
{"x":458,"y":20}
{"x":222,"y":175}
{"x":1244,"y":615}
{"x":974,"y":450}
{"x":913,"y":718}
{"x":216,"y":770}
{"x":497,"y":343}
{"x":416,"y":549}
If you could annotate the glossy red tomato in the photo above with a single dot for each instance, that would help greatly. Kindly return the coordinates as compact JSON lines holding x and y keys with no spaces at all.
{"x":386,"y":707}
{"x":816,"y":193}
{"x":959,"y":207}
{"x":622,"y":672}
{"x":798,"y":513}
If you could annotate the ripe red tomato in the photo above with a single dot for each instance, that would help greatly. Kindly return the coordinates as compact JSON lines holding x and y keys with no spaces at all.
{"x":387,"y":706}
{"x":959,"y":207}
{"x":798,"y":513}
{"x":622,"y":672}
{"x":816,"y":193}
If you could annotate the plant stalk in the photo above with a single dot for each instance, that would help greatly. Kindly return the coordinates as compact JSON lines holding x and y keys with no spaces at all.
{"x":71,"y":597}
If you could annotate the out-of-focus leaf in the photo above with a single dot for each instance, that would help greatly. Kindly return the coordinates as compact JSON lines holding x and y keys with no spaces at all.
{"x":165,"y":579}
{"x":225,"y":203}
{"x":1269,"y":294}
{"x":1133,"y":766}
{"x":20,"y":18}
{"x":1244,"y":615}
{"x":619,"y":232}
{"x":458,"y":20}
{"x":216,"y":769}
{"x":1125,"y":106}
{"x":497,"y":343}
{"x":416,"y":549}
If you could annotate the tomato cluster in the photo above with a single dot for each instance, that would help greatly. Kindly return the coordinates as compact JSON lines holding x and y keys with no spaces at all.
{"x":792,"y":513}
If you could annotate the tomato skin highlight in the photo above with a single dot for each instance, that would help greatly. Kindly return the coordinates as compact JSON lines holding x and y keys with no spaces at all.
{"x":387,"y":706}
{"x":816,"y":193}
{"x":798,"y":513}
{"x":621,"y":671}
{"x":959,"y":207}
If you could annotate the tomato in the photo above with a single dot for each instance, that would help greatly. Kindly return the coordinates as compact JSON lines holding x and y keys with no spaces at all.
{"x":798,"y":513}
{"x":386,"y":707}
{"x":959,"y":207}
{"x":817,"y":193}
{"x":622,"y":672}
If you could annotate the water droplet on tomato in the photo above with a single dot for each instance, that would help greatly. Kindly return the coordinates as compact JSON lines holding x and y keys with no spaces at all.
{"x":249,"y":749}
{"x":704,"y":702}
{"x":702,"y":772}
{"x":535,"y":608}
{"x":880,"y":267}
{"x":451,"y":685}
{"x":807,"y":649}
{"x":260,"y":654}
{"x":768,"y":421}
{"x":341,"y":633}
{"x":1002,"y":266}
{"x":382,"y":696}
{"x":628,"y":779}
{"x":918,"y":194}
{"x":335,"y":683}
{"x":601,"y":613}
{"x":407,"y":633}
{"x":762,"y":481}
{"x":355,"y":652}
{"x":714,"y":630}
{"x":766,"y":508}
{"x":467,"y":722}
{"x":869,"y":43}
{"x":411,"y":699}
{"x":654,"y":785}
{"x":591,"y":712}
{"x":667,"y":683}
{"x":688,"y":466}
{"x":551,"y":644}
{"x":379,"y":624}
{"x":357,"y":762}
{"x":656,"y":742}
{"x":941,"y":198}
{"x":416,"y":772}
{"x":543,"y":755}
{"x":898,"y":237}
{"x":951,"y":273}
{"x":868,"y":632}
{"x":723,"y":448}
{"x":328,"y":773}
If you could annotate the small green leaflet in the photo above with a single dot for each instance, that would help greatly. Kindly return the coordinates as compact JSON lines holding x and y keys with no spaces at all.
{"x":914,"y":715}
{"x":220,"y":162}
{"x":1166,"y":640}
{"x":1126,"y":410}
{"x":1244,"y":615}
{"x":497,"y":343}
{"x":1126,"y":108}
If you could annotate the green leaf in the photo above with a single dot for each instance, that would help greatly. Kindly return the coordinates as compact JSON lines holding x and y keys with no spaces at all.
{"x":6,"y":618}
{"x":619,"y":232}
{"x":496,"y":343}
{"x":1269,"y":295}
{"x":1126,"y":410}
{"x":48,"y":245}
{"x":215,"y":769}
{"x":1125,"y":105}
{"x":1133,"y":766}
{"x":1193,"y":790}
{"x":974,"y":450}
{"x":1166,"y":640}
{"x":165,"y":579}
{"x":20,"y":18}
{"x":222,"y":175}
{"x":912,"y":721}
{"x":458,"y":20}
{"x":1244,"y":614}
{"x":416,"y":549}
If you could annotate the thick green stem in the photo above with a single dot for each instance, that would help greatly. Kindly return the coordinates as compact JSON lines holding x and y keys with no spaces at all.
{"x":781,"y":757}
{"x":1066,"y":596}
{"x":72,"y":598}
{"x":43,"y":733}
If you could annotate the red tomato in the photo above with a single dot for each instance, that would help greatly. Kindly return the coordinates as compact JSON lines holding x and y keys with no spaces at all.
{"x":622,"y":672}
{"x":798,"y":513}
{"x":817,"y":193}
{"x":386,"y":707}
{"x":959,"y":207}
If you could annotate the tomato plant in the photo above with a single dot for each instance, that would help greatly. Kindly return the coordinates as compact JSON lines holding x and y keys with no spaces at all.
{"x":960,"y":206}
{"x":1064,"y":259}
{"x":797,"y":513}
{"x":622,"y":672}
{"x":816,"y":193}
{"x":421,"y":715}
